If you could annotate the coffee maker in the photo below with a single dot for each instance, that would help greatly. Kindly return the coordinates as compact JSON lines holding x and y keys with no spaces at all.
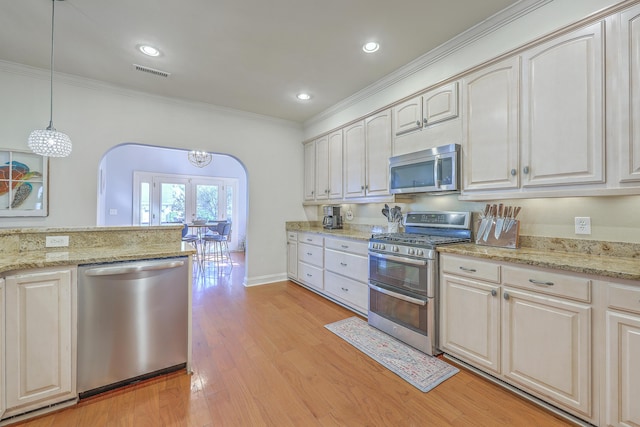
{"x":332,"y":219}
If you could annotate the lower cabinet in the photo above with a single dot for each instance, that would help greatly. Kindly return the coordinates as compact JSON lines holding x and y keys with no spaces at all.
{"x":528,"y":327}
{"x":40,"y":338}
{"x":622,"y":366}
{"x":336,"y":268}
{"x":2,"y":353}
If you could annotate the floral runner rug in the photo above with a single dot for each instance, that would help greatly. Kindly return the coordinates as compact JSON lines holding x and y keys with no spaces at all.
{"x":418,"y":369}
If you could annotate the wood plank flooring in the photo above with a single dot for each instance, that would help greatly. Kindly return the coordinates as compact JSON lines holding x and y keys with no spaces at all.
{"x":262,"y":357}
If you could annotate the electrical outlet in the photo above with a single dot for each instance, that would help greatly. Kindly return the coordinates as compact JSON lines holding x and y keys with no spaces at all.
{"x":583,"y":225}
{"x":57,"y":241}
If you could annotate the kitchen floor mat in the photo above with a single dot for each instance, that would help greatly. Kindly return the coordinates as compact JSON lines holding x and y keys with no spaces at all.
{"x":418,"y":369}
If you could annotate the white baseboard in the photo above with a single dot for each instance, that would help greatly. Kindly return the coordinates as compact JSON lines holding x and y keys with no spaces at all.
{"x":264,"y":280}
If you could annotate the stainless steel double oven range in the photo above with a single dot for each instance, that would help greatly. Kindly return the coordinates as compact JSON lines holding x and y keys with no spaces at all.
{"x":403,"y":276}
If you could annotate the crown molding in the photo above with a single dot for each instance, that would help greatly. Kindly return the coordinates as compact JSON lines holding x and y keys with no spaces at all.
{"x":480,"y":30}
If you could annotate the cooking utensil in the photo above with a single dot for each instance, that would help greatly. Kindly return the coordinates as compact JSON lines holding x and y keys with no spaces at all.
{"x":492,"y":213}
{"x":509,"y":212}
{"x":484,"y":222}
{"x":499,"y":221}
{"x":512,"y":221}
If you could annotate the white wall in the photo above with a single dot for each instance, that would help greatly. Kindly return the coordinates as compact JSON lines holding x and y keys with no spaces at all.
{"x":98,"y":117}
{"x":612,"y":218}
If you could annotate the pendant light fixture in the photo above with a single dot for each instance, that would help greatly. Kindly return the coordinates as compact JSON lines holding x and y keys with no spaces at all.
{"x":199,"y":158}
{"x":49,"y":142}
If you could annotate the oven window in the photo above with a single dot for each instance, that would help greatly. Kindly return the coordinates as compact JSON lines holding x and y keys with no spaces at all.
{"x":407,"y":314}
{"x":399,"y":275}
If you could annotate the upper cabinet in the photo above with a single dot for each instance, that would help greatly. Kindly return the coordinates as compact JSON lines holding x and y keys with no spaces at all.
{"x":367,"y":148}
{"x":563,"y":110}
{"x":628,"y":94}
{"x":309,"y":171}
{"x":323,"y":168}
{"x":490,"y":99}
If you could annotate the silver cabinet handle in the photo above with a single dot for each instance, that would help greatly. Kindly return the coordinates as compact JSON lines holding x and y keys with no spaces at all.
{"x":343,"y":264}
{"x":344,"y":246}
{"x":526,"y":169}
{"x":505,"y":295}
{"x":494,"y":292}
{"x":309,"y":275}
{"x":345,"y":289}
{"x":514,"y":172}
{"x":309,"y":240}
{"x":309,"y":253}
{"x":539,"y":282}
{"x":468,"y":270}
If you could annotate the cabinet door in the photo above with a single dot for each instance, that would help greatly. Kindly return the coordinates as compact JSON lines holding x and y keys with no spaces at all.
{"x":629,"y":94}
{"x":322,"y":168}
{"x":309,"y":171}
{"x":39,"y":338}
{"x":2,"y":353}
{"x":354,"y":160}
{"x":546,"y":348}
{"x":563,"y":111}
{"x":378,"y":146}
{"x":622,"y":392}
{"x":490,"y":126}
{"x":335,"y":165}
{"x":292,"y":260}
{"x":440,"y":104}
{"x":470,"y":321}
{"x":407,"y":116}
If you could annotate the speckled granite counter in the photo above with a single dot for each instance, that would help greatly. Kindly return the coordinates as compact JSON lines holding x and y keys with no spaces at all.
{"x":607,"y":259}
{"x":25,"y":248}
{"x":350,"y":231}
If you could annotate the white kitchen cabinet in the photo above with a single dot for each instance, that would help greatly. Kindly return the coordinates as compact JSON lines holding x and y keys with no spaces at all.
{"x":292,"y":255}
{"x":40,"y":338}
{"x":2,"y":350}
{"x":346,"y":273}
{"x":427,"y":109}
{"x":622,"y":352}
{"x":528,"y":327}
{"x":328,"y":166}
{"x":470,"y":311}
{"x":309,"y":171}
{"x":628,"y":94}
{"x":322,"y":165}
{"x":367,"y":148}
{"x":491,"y":133}
{"x":563,"y":110}
{"x":311,"y":260}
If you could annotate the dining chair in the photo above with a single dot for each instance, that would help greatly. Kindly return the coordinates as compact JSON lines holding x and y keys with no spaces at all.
{"x":219,"y":243}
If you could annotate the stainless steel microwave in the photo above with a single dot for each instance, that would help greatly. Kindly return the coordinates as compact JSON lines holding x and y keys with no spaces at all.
{"x":434,"y":170}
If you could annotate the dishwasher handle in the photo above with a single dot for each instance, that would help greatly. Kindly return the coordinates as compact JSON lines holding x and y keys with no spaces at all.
{"x":126,"y":269}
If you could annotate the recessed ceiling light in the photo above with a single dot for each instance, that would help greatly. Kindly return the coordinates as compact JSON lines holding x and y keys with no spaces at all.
{"x":303,"y":96}
{"x":149,"y":50}
{"x":370,"y":47}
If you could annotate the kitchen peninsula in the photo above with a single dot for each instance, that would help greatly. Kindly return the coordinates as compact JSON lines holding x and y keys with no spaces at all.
{"x":39,"y":304}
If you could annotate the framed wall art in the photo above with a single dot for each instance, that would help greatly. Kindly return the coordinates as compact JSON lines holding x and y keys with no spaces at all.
{"x":24,"y":189}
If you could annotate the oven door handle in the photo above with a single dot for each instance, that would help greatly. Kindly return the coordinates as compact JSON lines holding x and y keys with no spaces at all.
{"x":400,"y":259}
{"x":397,"y":295}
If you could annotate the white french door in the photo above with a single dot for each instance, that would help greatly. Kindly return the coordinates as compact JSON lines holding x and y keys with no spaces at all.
{"x":171,"y":199}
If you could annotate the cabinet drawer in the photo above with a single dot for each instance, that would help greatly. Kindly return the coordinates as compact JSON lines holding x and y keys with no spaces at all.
{"x":623,"y":297}
{"x":292,"y":235}
{"x":350,"y":265}
{"x":360,"y":248}
{"x":468,"y":267}
{"x":310,"y":254}
{"x":564,"y":285}
{"x":310,"y":275}
{"x":311,"y":239}
{"x":354,"y":294}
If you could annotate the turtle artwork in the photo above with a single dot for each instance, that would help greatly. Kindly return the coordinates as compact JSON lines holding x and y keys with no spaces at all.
{"x":16,"y":174}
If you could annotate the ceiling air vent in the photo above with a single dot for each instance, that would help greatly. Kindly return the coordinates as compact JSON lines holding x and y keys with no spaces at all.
{"x":151,"y":70}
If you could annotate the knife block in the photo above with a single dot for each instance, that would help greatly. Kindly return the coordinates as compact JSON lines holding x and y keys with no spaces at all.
{"x":508,"y":239}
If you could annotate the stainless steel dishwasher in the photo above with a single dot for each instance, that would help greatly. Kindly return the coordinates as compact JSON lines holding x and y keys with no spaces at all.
{"x":132,"y":322}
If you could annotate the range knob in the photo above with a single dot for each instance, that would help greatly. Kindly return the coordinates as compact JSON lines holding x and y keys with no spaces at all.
{"x":419,"y":252}
{"x":411,"y":251}
{"x":382,"y":247}
{"x":395,"y":249}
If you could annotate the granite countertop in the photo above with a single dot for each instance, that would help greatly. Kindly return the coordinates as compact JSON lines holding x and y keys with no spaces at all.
{"x":26,"y":248}
{"x":595,"y":264}
{"x":594,"y":258}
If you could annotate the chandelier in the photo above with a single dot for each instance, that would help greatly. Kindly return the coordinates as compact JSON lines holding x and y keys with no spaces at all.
{"x":50,"y":142}
{"x":199,"y":158}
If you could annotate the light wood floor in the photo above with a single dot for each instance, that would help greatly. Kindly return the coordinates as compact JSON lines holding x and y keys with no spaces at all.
{"x":262,"y":357}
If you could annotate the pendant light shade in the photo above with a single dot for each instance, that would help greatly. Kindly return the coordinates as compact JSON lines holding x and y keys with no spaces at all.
{"x":49,"y":142}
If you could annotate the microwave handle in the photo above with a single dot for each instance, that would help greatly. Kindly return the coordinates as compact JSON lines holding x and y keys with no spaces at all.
{"x":437,"y":172}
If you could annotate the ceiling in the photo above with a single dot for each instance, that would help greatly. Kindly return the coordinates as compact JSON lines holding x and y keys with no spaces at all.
{"x":250,"y":55}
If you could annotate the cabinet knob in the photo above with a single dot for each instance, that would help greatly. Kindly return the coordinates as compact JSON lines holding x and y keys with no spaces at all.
{"x":494,"y":292}
{"x":526,"y":169}
{"x":418,"y":123}
{"x":513,"y":172}
{"x":362,"y":187}
{"x":506,"y":295}
{"x":424,"y":121}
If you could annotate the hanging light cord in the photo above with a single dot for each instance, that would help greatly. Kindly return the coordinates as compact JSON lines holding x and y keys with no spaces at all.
{"x":53,"y":12}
